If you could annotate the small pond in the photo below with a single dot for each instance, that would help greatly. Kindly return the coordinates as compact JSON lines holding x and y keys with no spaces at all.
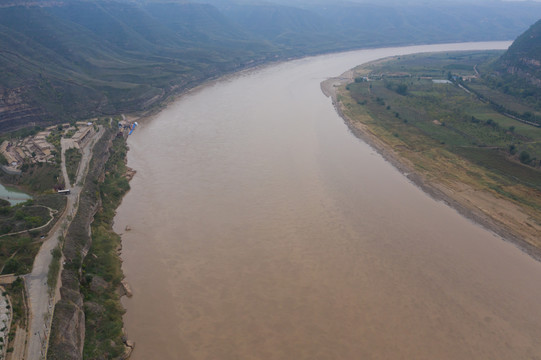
{"x":12,"y":195}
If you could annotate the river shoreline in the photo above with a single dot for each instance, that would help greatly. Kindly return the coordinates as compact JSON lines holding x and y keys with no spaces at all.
{"x":437,"y":191}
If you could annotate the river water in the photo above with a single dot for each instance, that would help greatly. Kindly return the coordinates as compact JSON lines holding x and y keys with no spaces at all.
{"x":263,"y":229}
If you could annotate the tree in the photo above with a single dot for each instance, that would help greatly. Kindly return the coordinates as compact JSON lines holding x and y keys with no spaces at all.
{"x":402,"y":89}
{"x":13,"y":266}
{"x":524,"y":157}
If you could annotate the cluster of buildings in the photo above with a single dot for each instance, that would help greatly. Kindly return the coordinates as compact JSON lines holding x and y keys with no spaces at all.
{"x":36,"y":149}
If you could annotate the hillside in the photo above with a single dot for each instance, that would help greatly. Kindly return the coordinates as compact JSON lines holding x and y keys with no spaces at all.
{"x":524,"y":56}
{"x":63,"y":61}
{"x":90,"y":58}
{"x":518,"y":71}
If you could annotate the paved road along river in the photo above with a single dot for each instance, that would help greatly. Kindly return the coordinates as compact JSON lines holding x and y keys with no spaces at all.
{"x":263,"y":229}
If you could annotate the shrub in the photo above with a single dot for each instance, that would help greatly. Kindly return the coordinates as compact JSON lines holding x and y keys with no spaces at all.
{"x":524,"y":157}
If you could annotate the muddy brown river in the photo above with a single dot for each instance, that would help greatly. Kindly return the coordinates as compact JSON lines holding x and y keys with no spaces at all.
{"x":263,"y":229}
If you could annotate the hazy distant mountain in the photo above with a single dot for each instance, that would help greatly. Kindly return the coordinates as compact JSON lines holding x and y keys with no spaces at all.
{"x":336,"y":25}
{"x":76,"y":59}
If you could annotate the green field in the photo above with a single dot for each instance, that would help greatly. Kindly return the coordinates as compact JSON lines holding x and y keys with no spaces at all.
{"x":73,"y":158}
{"x":403,"y":96}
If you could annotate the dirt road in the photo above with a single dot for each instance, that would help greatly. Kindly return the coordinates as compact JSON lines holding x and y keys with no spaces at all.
{"x":40,"y":302}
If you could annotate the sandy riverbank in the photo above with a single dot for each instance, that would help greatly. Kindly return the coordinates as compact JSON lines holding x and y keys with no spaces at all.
{"x":496,"y":214}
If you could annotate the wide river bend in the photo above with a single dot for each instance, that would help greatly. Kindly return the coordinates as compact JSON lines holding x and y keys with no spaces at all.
{"x":263,"y":229}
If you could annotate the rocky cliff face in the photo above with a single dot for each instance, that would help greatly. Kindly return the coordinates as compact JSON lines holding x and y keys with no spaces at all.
{"x":524,"y":73}
{"x":68,"y":336}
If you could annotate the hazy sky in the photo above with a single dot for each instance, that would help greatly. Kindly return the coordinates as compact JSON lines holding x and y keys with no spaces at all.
{"x":381,"y":2}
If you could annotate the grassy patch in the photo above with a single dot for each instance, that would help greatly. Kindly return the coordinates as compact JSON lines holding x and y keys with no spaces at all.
{"x":73,"y":158}
{"x":35,"y":178}
{"x":17,"y":252}
{"x":500,"y":164}
{"x":54,"y":268}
